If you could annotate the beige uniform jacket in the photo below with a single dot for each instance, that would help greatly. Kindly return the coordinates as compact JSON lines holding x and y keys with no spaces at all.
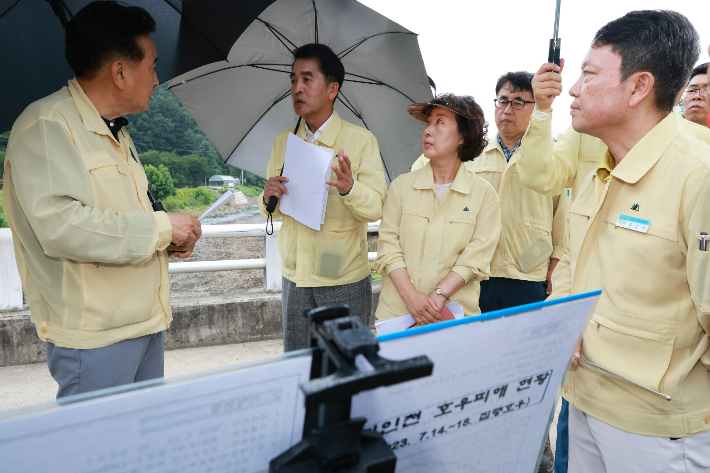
{"x":91,"y":252}
{"x":533,"y":225}
{"x":548,"y":167}
{"x":337,"y":254}
{"x":652,"y":321}
{"x":431,"y":239}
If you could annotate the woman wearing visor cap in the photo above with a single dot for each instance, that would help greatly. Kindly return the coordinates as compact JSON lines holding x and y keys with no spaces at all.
{"x":440,"y":224}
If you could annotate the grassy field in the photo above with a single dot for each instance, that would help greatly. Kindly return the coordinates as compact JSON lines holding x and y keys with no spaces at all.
{"x":249,"y":191}
{"x":193,"y":201}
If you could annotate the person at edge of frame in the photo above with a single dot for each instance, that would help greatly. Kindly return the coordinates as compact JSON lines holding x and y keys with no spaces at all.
{"x":329,"y":266}
{"x":548,"y":166}
{"x":635,"y":233}
{"x":696,"y":98}
{"x":440,"y":224}
{"x":92,"y":253}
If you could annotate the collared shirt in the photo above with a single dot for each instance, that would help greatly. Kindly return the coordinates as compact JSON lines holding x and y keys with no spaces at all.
{"x":652,"y":321}
{"x":432,"y":239}
{"x":606,"y":166}
{"x":313,"y":136}
{"x":91,"y":252}
{"x":548,"y":167}
{"x":337,"y":254}
{"x":506,"y":152}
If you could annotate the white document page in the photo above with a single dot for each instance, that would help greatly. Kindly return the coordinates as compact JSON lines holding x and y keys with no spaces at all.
{"x":223,"y":200}
{"x":487,"y":404}
{"x":234,"y":421}
{"x":307,"y":167}
{"x":397,"y":324}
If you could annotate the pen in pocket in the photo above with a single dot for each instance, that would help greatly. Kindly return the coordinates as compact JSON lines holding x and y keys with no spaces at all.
{"x":703,"y":241}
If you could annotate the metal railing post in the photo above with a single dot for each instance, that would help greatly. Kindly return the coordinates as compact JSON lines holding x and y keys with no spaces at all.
{"x":10,"y":283}
{"x":272,"y":272}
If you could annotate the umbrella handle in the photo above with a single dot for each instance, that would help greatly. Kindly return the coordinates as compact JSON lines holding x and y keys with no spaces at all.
{"x":554,"y":54}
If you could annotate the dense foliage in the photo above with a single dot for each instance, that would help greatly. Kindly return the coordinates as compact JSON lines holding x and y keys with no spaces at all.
{"x":166,"y":134}
{"x":161,"y":184}
{"x":3,"y":220}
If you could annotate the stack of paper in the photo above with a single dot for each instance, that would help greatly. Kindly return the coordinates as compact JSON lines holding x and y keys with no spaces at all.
{"x":307,"y":167}
{"x":450,"y":311}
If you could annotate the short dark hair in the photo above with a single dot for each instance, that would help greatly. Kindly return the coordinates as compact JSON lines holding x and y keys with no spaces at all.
{"x":699,"y":70}
{"x":470,"y":121}
{"x":105,"y":31}
{"x":661,"y":42}
{"x":328,"y":61}
{"x":521,"y":80}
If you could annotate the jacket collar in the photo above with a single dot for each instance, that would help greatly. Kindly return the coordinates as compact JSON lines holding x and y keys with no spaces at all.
{"x":425,"y":179}
{"x":89,"y":115}
{"x":329,"y":134}
{"x":494,"y":147}
{"x":646,"y":153}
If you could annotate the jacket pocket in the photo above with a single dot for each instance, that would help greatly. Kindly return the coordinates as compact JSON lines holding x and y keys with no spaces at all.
{"x":458,"y":231}
{"x":119,"y":295}
{"x":700,"y":286}
{"x":108,"y":182}
{"x":286,"y":241}
{"x":637,"y":348}
{"x":338,"y":248}
{"x":532,"y":243}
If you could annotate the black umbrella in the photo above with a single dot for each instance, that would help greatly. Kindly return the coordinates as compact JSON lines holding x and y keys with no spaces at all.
{"x":189,"y":34}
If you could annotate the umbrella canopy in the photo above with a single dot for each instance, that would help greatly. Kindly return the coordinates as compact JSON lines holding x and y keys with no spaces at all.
{"x":189,"y":33}
{"x":244,"y":102}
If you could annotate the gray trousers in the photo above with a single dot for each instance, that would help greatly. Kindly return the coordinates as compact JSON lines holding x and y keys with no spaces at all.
{"x":80,"y":371}
{"x":295,"y":300}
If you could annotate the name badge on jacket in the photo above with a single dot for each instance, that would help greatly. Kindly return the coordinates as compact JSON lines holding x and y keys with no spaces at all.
{"x":633,"y":223}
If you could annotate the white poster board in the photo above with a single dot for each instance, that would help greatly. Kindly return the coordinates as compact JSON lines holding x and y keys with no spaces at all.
{"x":230,"y":422}
{"x":486,"y":406}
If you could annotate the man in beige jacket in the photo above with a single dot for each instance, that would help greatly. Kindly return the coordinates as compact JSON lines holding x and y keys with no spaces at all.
{"x":92,"y":253}
{"x":636,"y":232}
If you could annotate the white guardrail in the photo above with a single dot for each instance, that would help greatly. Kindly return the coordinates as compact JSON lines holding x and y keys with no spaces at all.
{"x":11,"y":286}
{"x":270,"y":263}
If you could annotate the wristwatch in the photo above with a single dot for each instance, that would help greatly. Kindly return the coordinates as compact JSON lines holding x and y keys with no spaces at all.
{"x":440,"y":292}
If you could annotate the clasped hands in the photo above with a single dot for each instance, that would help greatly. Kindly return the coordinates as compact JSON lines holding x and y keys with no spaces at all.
{"x":424,"y":309}
{"x":343,"y":172}
{"x":186,"y":231}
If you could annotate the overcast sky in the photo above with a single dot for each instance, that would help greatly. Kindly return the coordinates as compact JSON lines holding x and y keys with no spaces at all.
{"x":468,"y":44}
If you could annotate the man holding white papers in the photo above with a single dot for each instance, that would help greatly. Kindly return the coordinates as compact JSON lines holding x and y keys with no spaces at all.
{"x":636,"y":231}
{"x":326,"y":266}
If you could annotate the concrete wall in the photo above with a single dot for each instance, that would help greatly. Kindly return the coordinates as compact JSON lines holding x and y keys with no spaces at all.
{"x":196,"y":323}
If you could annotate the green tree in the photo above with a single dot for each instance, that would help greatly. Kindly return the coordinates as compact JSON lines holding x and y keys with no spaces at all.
{"x":161,"y":184}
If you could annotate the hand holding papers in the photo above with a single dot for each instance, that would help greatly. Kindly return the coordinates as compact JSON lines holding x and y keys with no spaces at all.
{"x":307,"y":167}
{"x":223,"y":200}
{"x":450,"y":311}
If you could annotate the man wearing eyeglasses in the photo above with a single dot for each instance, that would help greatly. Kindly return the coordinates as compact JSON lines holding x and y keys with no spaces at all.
{"x":534,"y":225}
{"x":696,"y":104}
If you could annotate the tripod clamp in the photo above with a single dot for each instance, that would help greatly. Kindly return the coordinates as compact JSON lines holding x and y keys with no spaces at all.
{"x":346,"y":364}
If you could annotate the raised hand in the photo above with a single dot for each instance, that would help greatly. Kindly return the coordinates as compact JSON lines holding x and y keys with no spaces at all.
{"x":343,"y":173}
{"x":547,"y":84}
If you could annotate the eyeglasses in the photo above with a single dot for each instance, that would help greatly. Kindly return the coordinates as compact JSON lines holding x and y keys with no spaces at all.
{"x":703,"y":91}
{"x":515,"y":104}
